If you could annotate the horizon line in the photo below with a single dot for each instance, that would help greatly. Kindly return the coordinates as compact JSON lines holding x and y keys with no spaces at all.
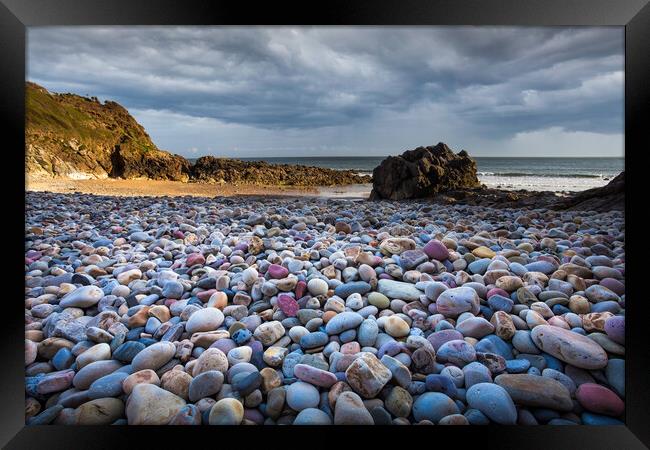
{"x":386,"y":156}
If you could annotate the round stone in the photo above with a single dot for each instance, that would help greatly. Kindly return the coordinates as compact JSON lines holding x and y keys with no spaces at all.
{"x":314,"y":375}
{"x":570,"y":347}
{"x":396,"y":326}
{"x":342,"y":322}
{"x":600,"y":400}
{"x":317,"y":286}
{"x":615,"y":329}
{"x":205,"y":384}
{"x":433,"y":406}
{"x":350,"y":410}
{"x":536,"y":391}
{"x":211,"y":359}
{"x":101,"y":411}
{"x":493,"y":401}
{"x":301,"y":395}
{"x":227,"y":411}
{"x":453,"y":302}
{"x":207,"y":319}
{"x":379,"y":300}
{"x":456,"y":352}
{"x":150,"y":405}
{"x":154,"y":356}
{"x":83,"y":297}
{"x":312,"y":416}
{"x":436,"y":250}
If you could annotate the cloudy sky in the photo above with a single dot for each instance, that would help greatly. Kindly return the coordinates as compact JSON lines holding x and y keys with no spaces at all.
{"x":344,"y":91}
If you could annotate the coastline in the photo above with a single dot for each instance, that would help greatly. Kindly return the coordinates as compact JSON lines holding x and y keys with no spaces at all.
{"x":157,"y":188}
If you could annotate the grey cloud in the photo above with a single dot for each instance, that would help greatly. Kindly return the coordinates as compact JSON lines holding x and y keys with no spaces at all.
{"x":498,"y":81}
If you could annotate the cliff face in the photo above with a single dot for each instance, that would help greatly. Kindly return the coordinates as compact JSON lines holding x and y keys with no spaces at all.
{"x":67,"y":135}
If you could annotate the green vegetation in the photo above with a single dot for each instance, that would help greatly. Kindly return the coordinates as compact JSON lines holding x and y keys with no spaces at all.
{"x":70,"y":116}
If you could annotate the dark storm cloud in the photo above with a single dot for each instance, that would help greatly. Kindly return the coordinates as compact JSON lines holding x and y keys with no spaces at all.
{"x":253,"y":91}
{"x":503,"y":80}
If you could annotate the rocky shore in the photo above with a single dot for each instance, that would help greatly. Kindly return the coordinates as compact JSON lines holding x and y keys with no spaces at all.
{"x":233,"y":171}
{"x":74,"y":137}
{"x":188,"y":311}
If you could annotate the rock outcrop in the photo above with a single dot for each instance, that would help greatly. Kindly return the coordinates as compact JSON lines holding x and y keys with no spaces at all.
{"x":71,"y":136}
{"x":422,"y":173}
{"x":610,"y":197}
{"x":606,"y":198}
{"x":211,"y":169}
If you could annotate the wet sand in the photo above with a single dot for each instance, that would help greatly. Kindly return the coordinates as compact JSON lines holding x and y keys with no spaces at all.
{"x":151,"y":188}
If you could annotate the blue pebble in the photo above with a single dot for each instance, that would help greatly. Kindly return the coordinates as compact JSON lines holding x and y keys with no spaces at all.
{"x":609,"y":306}
{"x":348,"y":336}
{"x":487,"y":312}
{"x":517,"y":365}
{"x":242,"y":336}
{"x":558,"y":310}
{"x":579,"y":331}
{"x":152,"y":325}
{"x":147,"y":341}
{"x":63,"y":359}
{"x":127,"y":351}
{"x":313,"y":340}
{"x":134,"y":333}
{"x":103,"y":243}
{"x":441,"y":383}
{"x":355,"y":287}
{"x":553,"y":363}
{"x":500,"y":303}
{"x":494,"y":344}
{"x":479,"y":266}
{"x":534,"y":371}
{"x":107,"y":386}
{"x":476,"y":417}
{"x":597,"y":419}
{"x":518,"y":269}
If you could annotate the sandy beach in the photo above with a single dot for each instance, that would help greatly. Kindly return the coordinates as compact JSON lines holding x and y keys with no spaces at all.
{"x":154,"y":188}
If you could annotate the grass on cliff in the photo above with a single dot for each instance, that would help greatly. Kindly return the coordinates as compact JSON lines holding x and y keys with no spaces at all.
{"x":68,"y":116}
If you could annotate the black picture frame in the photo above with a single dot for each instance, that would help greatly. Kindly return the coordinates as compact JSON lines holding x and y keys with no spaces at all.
{"x":16,"y":15}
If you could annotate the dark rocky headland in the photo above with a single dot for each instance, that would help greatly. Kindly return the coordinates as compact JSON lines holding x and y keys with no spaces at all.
{"x":71,"y":136}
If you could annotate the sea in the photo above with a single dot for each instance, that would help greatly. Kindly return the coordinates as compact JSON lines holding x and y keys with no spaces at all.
{"x":534,"y":174}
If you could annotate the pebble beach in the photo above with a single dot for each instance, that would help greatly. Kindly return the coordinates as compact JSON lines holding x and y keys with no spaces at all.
{"x":320,"y":311}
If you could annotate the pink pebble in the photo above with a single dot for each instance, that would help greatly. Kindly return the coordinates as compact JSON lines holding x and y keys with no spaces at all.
{"x":195,"y":258}
{"x":596,"y":398}
{"x":497,"y":291}
{"x":301,"y":289}
{"x":277,"y":271}
{"x":288,"y":305}
{"x":204,"y":296}
{"x":314,"y":375}
{"x":350,"y":348}
{"x":613,"y":285}
{"x":436,"y":250}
